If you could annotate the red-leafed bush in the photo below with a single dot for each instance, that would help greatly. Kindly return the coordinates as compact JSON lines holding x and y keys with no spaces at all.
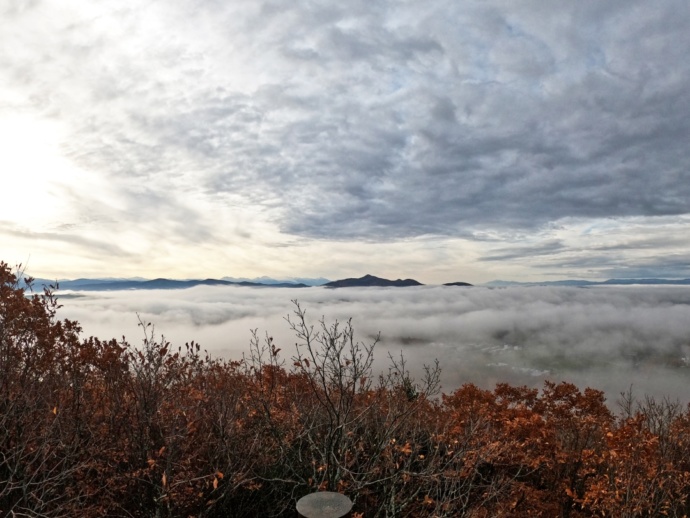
{"x":95,"y":428}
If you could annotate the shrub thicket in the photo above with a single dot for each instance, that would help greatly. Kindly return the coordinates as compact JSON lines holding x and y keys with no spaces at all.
{"x":97,"y":428}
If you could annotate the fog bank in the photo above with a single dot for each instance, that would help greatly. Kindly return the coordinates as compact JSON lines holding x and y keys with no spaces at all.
{"x":604,"y":337}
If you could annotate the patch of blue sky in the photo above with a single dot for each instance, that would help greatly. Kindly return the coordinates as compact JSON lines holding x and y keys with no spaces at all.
{"x":596,"y":59}
{"x":397,"y":81}
{"x":599,"y":226}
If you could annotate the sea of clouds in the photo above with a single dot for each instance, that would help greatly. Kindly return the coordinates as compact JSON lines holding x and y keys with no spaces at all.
{"x":609,"y":338}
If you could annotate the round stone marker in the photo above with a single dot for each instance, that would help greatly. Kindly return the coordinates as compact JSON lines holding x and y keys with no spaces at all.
{"x":326,"y":504}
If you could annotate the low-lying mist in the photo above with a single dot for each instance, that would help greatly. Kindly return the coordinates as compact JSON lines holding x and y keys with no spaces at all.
{"x":605,"y":337}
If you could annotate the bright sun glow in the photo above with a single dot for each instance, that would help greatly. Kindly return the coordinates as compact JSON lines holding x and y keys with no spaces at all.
{"x":31,"y":168}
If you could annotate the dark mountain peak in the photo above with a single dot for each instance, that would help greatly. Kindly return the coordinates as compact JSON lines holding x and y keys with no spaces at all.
{"x":371,"y":280}
{"x":458,"y":284}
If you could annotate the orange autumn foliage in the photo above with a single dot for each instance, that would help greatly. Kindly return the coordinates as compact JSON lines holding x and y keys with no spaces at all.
{"x":96,"y":428}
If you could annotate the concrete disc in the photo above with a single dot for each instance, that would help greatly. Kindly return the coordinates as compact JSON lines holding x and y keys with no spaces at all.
{"x":325,"y":504}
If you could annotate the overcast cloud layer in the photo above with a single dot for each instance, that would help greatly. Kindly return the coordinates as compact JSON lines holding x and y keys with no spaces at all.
{"x":467,"y":140}
{"x":606,"y":337}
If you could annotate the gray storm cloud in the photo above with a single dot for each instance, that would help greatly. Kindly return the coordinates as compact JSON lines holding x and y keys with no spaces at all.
{"x":408,"y":120}
{"x":605,"y":337}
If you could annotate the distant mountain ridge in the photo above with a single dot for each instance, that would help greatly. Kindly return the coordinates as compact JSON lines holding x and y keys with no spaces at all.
{"x":370,"y":281}
{"x":154,"y":284}
{"x":139,"y":283}
{"x":309,"y":281}
{"x":580,"y":282}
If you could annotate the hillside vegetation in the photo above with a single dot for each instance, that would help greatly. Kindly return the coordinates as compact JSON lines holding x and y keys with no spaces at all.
{"x":93,"y":428}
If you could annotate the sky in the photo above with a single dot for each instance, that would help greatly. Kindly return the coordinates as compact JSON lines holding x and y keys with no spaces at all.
{"x":609,"y":338}
{"x":439,"y":140}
